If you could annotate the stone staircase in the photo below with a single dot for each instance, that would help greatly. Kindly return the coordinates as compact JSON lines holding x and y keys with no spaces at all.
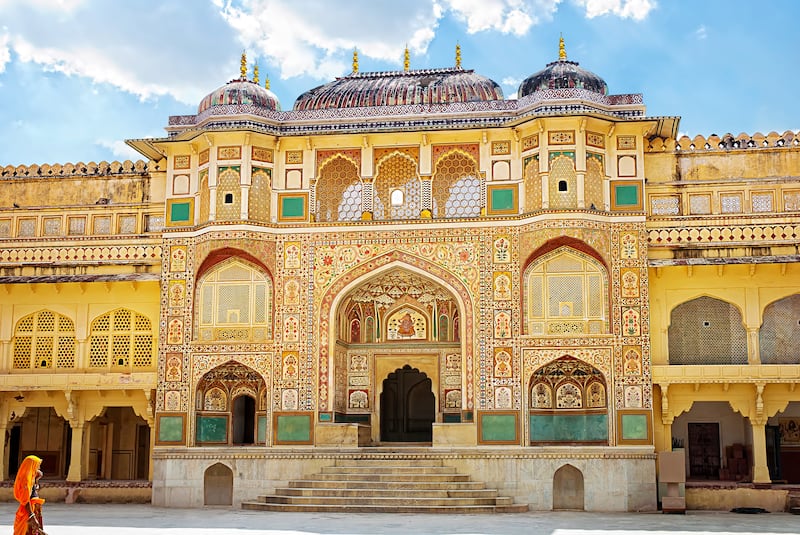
{"x":387,"y":486}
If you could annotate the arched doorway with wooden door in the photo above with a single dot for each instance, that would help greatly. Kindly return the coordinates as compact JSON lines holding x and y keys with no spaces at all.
{"x":408,"y":406}
{"x":399,"y":360}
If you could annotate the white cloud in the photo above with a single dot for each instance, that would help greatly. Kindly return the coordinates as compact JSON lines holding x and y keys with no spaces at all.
{"x":119,"y":149}
{"x":5,"y":52}
{"x":509,"y":81}
{"x":701,"y":32}
{"x":303,"y":44}
{"x":148,"y":48}
{"x":506,"y":16}
{"x":627,"y":9}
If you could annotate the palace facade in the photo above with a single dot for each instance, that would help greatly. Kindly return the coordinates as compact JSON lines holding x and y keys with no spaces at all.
{"x":407,"y":261}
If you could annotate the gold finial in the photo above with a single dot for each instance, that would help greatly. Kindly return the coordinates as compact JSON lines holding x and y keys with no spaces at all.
{"x":243,"y":67}
{"x":458,"y":56}
{"x":406,"y":60}
{"x":355,"y":60}
{"x":562,"y":51}
{"x":255,"y":73}
{"x":266,"y":82}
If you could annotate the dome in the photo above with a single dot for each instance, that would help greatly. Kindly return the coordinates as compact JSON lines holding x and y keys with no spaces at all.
{"x":241,"y":92}
{"x":563,"y":74}
{"x":396,"y":88}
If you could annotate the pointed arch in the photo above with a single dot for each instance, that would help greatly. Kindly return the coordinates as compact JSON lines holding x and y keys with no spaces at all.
{"x":562,"y":184}
{"x":44,"y":339}
{"x":565,"y":290}
{"x":397,"y":171}
{"x":331,"y":298}
{"x":338,"y":189}
{"x":456,"y":185}
{"x":121,"y":338}
{"x":234,"y":300}
{"x":780,"y":331}
{"x":707,"y":330}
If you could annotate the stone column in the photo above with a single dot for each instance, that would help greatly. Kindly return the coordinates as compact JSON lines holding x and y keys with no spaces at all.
{"x":753,"y":351}
{"x":76,"y":467}
{"x":760,"y":469}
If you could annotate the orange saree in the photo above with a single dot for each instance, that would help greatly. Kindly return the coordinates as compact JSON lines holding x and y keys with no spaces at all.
{"x":30,"y":504}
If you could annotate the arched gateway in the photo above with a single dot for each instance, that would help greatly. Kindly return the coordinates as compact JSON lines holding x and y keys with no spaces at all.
{"x":398,"y":358}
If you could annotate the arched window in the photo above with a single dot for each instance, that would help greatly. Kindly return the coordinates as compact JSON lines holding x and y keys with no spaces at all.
{"x":568,"y":403}
{"x":338,"y":191}
{"x":235,"y":303}
{"x":397,"y":173}
{"x":456,"y":187}
{"x":121,"y":338}
{"x":707,"y":331}
{"x":44,"y":339}
{"x":780,"y":331}
{"x":565,"y":292}
{"x":563,"y":183}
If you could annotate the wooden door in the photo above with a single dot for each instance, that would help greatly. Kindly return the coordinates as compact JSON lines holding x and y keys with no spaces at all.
{"x":408,"y":406}
{"x":704,"y":456}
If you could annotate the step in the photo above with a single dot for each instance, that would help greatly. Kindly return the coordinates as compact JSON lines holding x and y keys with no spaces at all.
{"x":419,"y":509}
{"x":381,"y":492}
{"x":388,"y":462}
{"x":379,"y":476}
{"x":410,"y":485}
{"x":385,"y":501}
{"x":393,"y":469}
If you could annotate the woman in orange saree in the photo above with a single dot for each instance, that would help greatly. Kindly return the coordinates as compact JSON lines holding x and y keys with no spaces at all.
{"x":28,"y":520}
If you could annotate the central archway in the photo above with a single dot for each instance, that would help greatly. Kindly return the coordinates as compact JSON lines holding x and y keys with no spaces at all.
{"x":408,"y":406}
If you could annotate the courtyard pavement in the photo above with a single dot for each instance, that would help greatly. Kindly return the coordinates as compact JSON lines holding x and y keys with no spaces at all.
{"x":135,"y":519}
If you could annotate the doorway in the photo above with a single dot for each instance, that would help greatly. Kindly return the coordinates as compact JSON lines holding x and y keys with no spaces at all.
{"x":244,"y":420}
{"x":408,"y":406}
{"x":704,"y":456}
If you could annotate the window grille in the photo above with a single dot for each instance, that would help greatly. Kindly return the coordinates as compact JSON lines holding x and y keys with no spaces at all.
{"x":780,"y":332}
{"x":707,"y":331}
{"x":235,"y":302}
{"x":456,"y":187}
{"x":338,"y":191}
{"x":44,"y":340}
{"x":566,"y":291}
{"x":121,"y":338}
{"x":397,"y":172}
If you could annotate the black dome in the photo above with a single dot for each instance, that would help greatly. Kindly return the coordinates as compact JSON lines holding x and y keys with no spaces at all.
{"x":563,"y":74}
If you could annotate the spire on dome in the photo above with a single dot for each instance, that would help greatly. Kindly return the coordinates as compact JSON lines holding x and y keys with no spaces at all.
{"x":255,"y":73}
{"x":562,"y":51}
{"x":266,"y":82}
{"x":406,"y":60}
{"x":355,"y":60}
{"x":243,"y":66}
{"x":458,"y":56}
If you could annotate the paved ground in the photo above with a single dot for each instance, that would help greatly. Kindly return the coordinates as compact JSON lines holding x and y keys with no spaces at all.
{"x":81,"y":519}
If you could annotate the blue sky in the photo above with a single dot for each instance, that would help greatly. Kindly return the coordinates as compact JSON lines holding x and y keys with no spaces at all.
{"x":78,"y":77}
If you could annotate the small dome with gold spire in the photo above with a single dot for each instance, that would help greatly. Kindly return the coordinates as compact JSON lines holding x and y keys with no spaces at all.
{"x":242,"y":92}
{"x":562,"y":74}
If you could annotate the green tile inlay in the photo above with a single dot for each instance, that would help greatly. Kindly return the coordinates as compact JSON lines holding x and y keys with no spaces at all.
{"x":634,"y":426}
{"x":170,"y":429}
{"x":212,"y":429}
{"x":498,"y":428}
{"x":293,"y":207}
{"x":569,"y":427}
{"x":627,"y":195}
{"x":502,"y":199}
{"x":294,"y":428}
{"x":261,"y":433}
{"x":179,"y":211}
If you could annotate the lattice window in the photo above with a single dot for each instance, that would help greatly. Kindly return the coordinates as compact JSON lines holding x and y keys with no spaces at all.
{"x":562,"y":185}
{"x":397,"y":173}
{"x":259,"y":196}
{"x":205,"y":197}
{"x":234,"y":298}
{"x":780,"y":331}
{"x":120,"y":338}
{"x":229,"y":195}
{"x":456,"y":187}
{"x":593,"y":184}
{"x":565,"y":290}
{"x":338,"y":191}
{"x":44,"y":340}
{"x":707,"y":331}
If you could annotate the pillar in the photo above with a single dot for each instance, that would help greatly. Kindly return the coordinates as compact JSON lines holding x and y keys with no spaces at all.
{"x":760,"y":469}
{"x":76,"y":465}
